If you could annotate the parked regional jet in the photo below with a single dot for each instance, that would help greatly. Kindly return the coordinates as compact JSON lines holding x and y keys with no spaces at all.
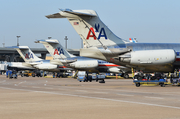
{"x":81,"y":63}
{"x":17,"y":66}
{"x":105,"y":45}
{"x":30,"y":58}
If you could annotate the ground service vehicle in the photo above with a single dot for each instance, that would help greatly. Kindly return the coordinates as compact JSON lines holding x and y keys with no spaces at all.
{"x":161,"y":82}
{"x":27,"y":73}
{"x":81,"y":76}
{"x":94,"y":77}
{"x":11,"y":74}
{"x":101,"y":77}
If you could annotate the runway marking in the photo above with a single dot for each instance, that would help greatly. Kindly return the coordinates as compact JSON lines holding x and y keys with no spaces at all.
{"x":153,"y":97}
{"x":62,"y":89}
{"x":35,"y":87}
{"x":125,"y":91}
{"x":81,"y":90}
{"x":101,"y":92}
{"x":48,"y":88}
{"x":114,"y":100}
{"x":23,"y":86}
{"x":21,"y":82}
{"x":125,"y":95}
{"x":3,"y":81}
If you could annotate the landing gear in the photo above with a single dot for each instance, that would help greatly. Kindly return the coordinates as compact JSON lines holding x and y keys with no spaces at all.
{"x":126,"y":76}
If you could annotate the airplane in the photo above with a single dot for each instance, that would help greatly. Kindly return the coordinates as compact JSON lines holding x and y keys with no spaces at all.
{"x":17,"y":66}
{"x":103,"y":44}
{"x":30,"y":58}
{"x":58,"y":52}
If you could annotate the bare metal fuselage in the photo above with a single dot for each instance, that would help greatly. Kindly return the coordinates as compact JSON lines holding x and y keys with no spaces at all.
{"x":113,"y":53}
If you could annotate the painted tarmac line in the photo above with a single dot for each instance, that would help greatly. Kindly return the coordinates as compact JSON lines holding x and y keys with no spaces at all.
{"x":20,"y":83}
{"x":101,"y":92}
{"x":35,"y":87}
{"x":114,"y":100}
{"x":23,"y":86}
{"x":3,"y":81}
{"x":153,"y":97}
{"x":125,"y":95}
{"x":81,"y":90}
{"x":48,"y":88}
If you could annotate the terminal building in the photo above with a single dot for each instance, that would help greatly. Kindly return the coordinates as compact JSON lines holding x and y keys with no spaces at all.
{"x":11,"y":55}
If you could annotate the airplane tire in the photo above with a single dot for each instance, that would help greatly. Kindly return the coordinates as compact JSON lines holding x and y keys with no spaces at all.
{"x":126,"y":76}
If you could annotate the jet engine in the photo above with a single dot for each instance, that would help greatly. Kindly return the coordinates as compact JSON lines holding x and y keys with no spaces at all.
{"x":46,"y":66}
{"x":84,"y":64}
{"x":114,"y":70}
{"x":145,"y":57}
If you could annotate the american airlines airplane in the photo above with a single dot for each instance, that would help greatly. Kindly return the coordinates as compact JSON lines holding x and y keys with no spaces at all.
{"x":105,"y":45}
{"x":81,"y":63}
{"x":18,"y":66}
{"x":30,"y":58}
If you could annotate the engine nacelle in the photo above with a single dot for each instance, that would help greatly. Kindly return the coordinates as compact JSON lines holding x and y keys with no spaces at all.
{"x":113,"y":70}
{"x":84,"y":64}
{"x":46,"y":66}
{"x":146,"y":57}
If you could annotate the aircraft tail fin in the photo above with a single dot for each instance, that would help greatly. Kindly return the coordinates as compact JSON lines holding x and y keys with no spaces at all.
{"x":90,"y":28}
{"x":132,"y":40}
{"x":26,"y":53}
{"x":56,"y":50}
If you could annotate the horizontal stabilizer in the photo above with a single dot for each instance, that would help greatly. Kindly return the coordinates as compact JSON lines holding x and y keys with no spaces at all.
{"x":54,"y":41}
{"x":19,"y":47}
{"x":70,"y":13}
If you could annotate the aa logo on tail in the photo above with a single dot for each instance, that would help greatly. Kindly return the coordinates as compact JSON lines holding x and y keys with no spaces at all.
{"x":29,"y":56}
{"x":101,"y":31}
{"x":58,"y":51}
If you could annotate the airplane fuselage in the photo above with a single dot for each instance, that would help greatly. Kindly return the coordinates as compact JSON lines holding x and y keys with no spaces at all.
{"x":162,"y":57}
{"x":91,"y":65}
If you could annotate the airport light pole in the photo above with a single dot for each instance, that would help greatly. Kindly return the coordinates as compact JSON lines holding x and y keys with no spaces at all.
{"x":3,"y":44}
{"x":18,"y":40}
{"x":66,"y":40}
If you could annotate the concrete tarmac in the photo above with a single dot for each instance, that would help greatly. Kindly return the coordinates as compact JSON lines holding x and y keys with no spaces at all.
{"x":66,"y":98}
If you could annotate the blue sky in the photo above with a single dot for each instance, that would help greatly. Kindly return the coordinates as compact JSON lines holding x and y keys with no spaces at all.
{"x":148,"y":20}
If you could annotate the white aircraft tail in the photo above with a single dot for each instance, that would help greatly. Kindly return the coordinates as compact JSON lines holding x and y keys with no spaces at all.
{"x":56,"y":50}
{"x":27,"y":54}
{"x":90,"y":28}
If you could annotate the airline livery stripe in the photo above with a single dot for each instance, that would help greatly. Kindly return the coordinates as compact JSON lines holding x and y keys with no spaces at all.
{"x":109,"y":65}
{"x":177,"y":59}
{"x":62,"y":67}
